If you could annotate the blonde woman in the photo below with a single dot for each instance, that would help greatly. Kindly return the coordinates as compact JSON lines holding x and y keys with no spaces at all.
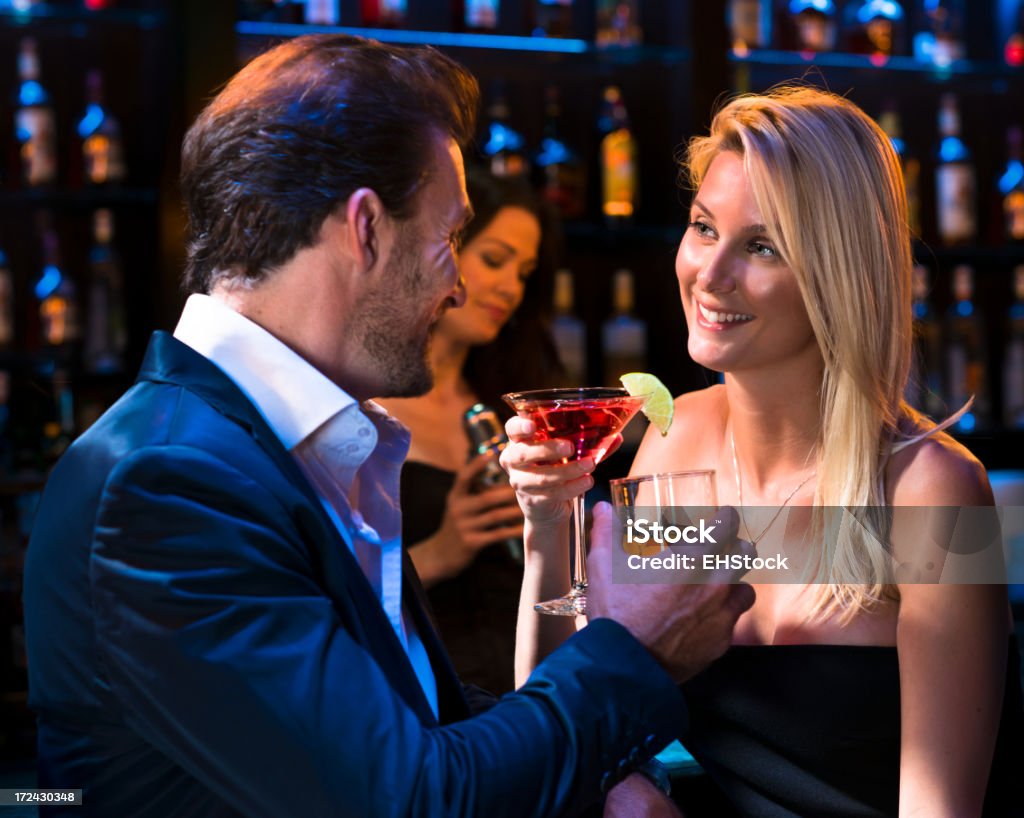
{"x":856,"y":698}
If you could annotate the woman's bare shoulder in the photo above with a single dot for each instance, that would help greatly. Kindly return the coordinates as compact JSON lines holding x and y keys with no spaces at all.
{"x":937,"y":471}
{"x":693,"y":440}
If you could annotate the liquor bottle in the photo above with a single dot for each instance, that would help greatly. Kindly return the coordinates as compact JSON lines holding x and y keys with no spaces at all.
{"x":486,"y":434}
{"x":102,"y":151}
{"x":59,"y":430}
{"x":965,"y":353}
{"x":480,"y":15}
{"x":618,"y":159}
{"x":505,"y":147}
{"x":34,"y":121}
{"x":623,"y":336}
{"x":955,"y":184}
{"x":924,"y":388}
{"x":323,"y":12}
{"x":58,"y":298}
{"x":1011,"y":186}
{"x":6,"y":443}
{"x":1013,"y":362}
{"x":813,"y":24}
{"x":6,"y":302}
{"x":618,"y":23}
{"x":749,"y":25}
{"x":552,"y":18}
{"x":890,"y":122}
{"x":569,"y":332}
{"x":385,"y":13}
{"x":939,"y":36}
{"x":1013,"y":51}
{"x":874,"y":27}
{"x":563,"y":181}
{"x":106,"y":337}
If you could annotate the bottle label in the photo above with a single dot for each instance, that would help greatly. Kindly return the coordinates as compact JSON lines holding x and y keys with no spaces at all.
{"x":954,"y":190}
{"x":618,"y":161}
{"x":103,"y":160}
{"x":1013,"y":210}
{"x":37,"y":134}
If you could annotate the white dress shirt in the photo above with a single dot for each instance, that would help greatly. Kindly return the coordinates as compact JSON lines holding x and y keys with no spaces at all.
{"x":351,"y":453}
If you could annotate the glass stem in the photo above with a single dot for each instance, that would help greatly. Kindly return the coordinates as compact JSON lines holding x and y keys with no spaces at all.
{"x":579,"y":562}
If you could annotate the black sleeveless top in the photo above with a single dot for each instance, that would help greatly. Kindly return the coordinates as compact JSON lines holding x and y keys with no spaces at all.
{"x":814,"y":731}
{"x":475,"y":611}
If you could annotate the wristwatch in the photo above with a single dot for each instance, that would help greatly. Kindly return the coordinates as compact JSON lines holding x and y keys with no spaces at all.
{"x":657,"y":773}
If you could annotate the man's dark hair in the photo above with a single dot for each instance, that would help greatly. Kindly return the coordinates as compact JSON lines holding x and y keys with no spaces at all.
{"x":297,"y":131}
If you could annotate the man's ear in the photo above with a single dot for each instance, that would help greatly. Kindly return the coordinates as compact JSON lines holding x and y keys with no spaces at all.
{"x":367,"y":228}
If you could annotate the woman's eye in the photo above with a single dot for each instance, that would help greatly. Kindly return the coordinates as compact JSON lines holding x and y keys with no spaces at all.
{"x":492,"y":261}
{"x":702,"y":229}
{"x":762,"y":250}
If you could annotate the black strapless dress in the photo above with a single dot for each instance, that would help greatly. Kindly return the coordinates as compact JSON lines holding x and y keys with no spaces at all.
{"x":814,"y":731}
{"x":475,"y":611}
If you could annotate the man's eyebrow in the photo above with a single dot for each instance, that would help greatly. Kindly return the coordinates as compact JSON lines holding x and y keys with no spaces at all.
{"x":750,"y":228}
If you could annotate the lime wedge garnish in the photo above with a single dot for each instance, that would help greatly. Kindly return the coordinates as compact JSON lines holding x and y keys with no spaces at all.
{"x":659,"y":406}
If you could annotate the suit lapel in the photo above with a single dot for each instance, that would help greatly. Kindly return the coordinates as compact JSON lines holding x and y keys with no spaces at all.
{"x":168,"y":360}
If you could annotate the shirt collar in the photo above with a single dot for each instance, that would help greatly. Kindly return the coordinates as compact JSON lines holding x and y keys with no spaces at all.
{"x":293,"y":396}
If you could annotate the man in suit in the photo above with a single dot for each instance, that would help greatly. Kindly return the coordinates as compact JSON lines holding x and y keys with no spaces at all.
{"x":218,"y":616}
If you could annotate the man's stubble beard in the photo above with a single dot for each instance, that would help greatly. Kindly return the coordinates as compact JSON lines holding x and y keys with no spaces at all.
{"x":400,"y":351}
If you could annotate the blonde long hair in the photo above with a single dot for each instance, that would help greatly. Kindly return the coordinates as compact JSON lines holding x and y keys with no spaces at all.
{"x":830,"y":188}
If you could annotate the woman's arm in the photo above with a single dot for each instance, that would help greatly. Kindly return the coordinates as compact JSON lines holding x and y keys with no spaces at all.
{"x":951,"y":641}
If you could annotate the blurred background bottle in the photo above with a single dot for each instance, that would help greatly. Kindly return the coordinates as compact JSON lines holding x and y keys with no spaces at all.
{"x":618,"y":23}
{"x":568,"y":332}
{"x":35,"y":121}
{"x":1013,"y":360}
{"x":562,"y":175}
{"x":480,"y":15}
{"x":323,"y":12}
{"x":102,"y":153}
{"x":750,"y":24}
{"x":812,"y":25}
{"x":890,"y":121}
{"x":924,"y":388}
{"x":385,"y":13}
{"x":1011,"y":187}
{"x":623,"y":335}
{"x":966,"y":360}
{"x":939,"y":36}
{"x":618,"y":159}
{"x":505,"y":148}
{"x":487,"y":434}
{"x":6,"y":302}
{"x":955,"y":180}
{"x":57,"y":297}
{"x":875,"y":27}
{"x":106,"y":338}
{"x":552,"y":18}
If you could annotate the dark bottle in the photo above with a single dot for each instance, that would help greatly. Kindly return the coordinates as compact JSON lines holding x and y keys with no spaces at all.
{"x":939,"y":32}
{"x":386,"y":13}
{"x":6,"y":302}
{"x":563,"y":180}
{"x":552,"y":18}
{"x":486,"y":434}
{"x":505,"y":147}
{"x":924,"y":387}
{"x":1013,"y":360}
{"x":106,"y":337}
{"x":618,"y":159}
{"x":1013,"y":51}
{"x":955,"y":180}
{"x":57,"y":297}
{"x":965,"y":353}
{"x":618,"y":23}
{"x":812,"y":25}
{"x":890,"y":122}
{"x":874,"y":27}
{"x":1011,"y":186}
{"x":100,"y":134}
{"x":34,"y":121}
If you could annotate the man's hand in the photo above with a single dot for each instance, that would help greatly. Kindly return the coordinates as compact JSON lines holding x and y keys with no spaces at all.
{"x":636,"y":797}
{"x":685,"y":626}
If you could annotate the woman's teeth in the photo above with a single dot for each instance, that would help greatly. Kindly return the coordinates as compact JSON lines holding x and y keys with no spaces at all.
{"x":715,"y":317}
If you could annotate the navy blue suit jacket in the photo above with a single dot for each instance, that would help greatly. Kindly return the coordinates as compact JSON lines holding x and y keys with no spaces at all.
{"x":202,"y":643}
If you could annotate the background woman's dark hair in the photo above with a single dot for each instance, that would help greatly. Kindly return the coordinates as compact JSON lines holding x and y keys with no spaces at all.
{"x":297,"y":131}
{"x":523,"y":356}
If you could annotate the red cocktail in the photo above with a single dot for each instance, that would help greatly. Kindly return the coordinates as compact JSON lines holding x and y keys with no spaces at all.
{"x":589,"y":418}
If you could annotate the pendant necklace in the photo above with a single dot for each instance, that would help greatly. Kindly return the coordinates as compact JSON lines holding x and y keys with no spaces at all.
{"x":739,"y":493}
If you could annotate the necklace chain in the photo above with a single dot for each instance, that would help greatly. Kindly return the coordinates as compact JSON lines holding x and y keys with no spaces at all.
{"x":739,"y":493}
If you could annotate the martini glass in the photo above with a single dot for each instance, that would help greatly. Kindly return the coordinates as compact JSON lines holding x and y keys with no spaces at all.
{"x":589,"y":418}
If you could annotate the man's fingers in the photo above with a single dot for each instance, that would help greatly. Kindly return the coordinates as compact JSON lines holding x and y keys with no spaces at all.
{"x":741,"y":597}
